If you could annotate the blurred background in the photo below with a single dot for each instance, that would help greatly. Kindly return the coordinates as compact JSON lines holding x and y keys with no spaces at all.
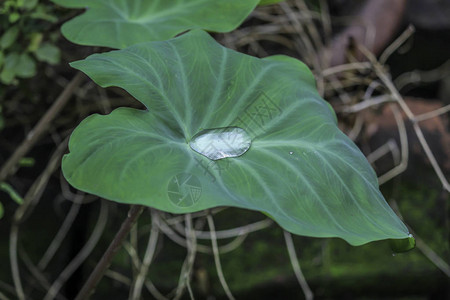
{"x":384,"y":66}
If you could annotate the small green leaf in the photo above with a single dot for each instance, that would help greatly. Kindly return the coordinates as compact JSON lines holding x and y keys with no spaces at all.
{"x":48,"y":53}
{"x":121,"y":23}
{"x":2,"y":211}
{"x":35,"y":41}
{"x":9,"y":37}
{"x":11,"y":192}
{"x":267,"y":2}
{"x":9,"y":68}
{"x":14,"y":17}
{"x":26,"y":67}
{"x":299,"y":168}
{"x":26,"y":162}
{"x":7,"y":76}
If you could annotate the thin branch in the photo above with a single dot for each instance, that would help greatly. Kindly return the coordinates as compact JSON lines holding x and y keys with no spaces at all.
{"x":171,"y":234}
{"x":132,"y":252}
{"x":148,"y":257}
{"x":396,"y":44}
{"x":432,"y":114}
{"x":30,"y":199}
{"x":118,"y":277}
{"x":419,"y":76}
{"x":432,"y":256}
{"x":105,"y":261}
{"x":217,"y":257}
{"x":37,"y":274}
{"x":404,"y":148}
{"x":326,"y":23}
{"x":180,"y":218}
{"x":431,"y":157}
{"x":357,"y":127}
{"x":134,"y":247}
{"x":155,"y":293}
{"x":303,"y":38}
{"x":296,"y":266}
{"x":188,"y":264}
{"x":355,"y":66}
{"x":60,"y":235}
{"x":82,"y":255}
{"x":35,"y":192}
{"x":389,"y":147}
{"x":13,"y":237}
{"x":368,"y":103}
{"x":381,"y":73}
{"x":235,"y":232}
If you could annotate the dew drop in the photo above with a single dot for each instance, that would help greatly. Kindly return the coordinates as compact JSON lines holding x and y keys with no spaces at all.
{"x":290,"y":152}
{"x":218,"y":143}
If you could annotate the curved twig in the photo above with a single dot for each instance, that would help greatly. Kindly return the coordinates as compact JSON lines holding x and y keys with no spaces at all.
{"x":148,"y":257}
{"x":217,"y":257}
{"x":60,"y":235}
{"x":296,"y":266}
{"x":188,"y":264}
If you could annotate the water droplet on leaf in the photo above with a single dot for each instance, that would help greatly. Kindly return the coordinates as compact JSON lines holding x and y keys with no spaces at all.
{"x":221,"y":143}
{"x":291,"y":152}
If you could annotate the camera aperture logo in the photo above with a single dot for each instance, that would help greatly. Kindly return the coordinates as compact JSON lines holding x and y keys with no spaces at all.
{"x":184,"y":190}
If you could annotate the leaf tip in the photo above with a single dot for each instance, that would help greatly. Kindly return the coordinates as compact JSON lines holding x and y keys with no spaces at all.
{"x":403,"y":245}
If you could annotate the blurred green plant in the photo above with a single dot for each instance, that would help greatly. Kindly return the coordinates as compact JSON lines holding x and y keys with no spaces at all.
{"x":25,"y":38}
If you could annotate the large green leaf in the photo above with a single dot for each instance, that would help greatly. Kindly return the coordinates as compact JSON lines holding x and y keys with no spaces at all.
{"x":299,"y":169}
{"x":122,"y":23}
